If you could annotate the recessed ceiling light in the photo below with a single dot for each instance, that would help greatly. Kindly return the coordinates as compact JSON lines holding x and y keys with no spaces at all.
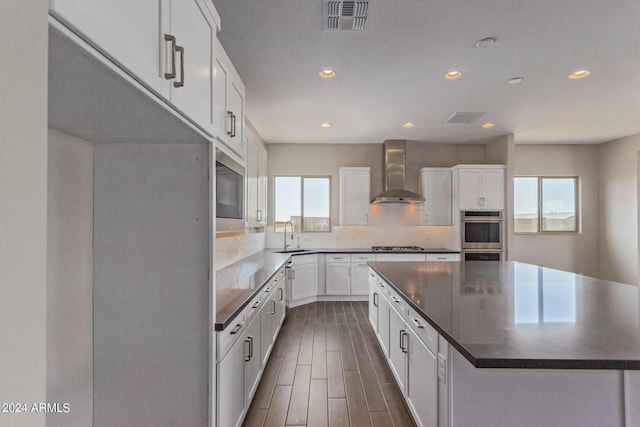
{"x":407,"y":125}
{"x":486,"y":42}
{"x":454,"y":74}
{"x":515,"y":80}
{"x":488,"y":125}
{"x":325,"y":125}
{"x":579,"y":74}
{"x":327,"y":73}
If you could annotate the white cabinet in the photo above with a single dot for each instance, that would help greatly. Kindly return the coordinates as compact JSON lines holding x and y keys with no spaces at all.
{"x":278,"y":310}
{"x":338,"y":278}
{"x":231,"y":386}
{"x":374,"y":301}
{"x":256,"y":181}
{"x":166,"y":44}
{"x":443,"y":257}
{"x":435,"y":187}
{"x":355,"y":195}
{"x":398,"y":347}
{"x":383,"y":321}
{"x":359,"y":276}
{"x":400,"y":257}
{"x":422,"y":381}
{"x":228,"y":101}
{"x":252,"y":360}
{"x":303,"y":277}
{"x":480,"y":187}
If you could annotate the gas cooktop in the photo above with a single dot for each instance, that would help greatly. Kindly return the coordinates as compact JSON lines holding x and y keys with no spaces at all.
{"x":397,"y":249}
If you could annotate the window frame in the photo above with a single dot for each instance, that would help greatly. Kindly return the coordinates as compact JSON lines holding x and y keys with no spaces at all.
{"x":302,"y":178}
{"x":540,"y":179}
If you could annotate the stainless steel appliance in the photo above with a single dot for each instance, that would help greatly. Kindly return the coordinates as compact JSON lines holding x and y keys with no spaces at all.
{"x":482,"y":230}
{"x":394,"y":176}
{"x":229,"y":193}
{"x":397,"y":249}
{"x":482,"y":255}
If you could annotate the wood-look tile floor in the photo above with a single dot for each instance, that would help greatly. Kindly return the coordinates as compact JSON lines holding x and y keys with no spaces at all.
{"x":327,"y":369}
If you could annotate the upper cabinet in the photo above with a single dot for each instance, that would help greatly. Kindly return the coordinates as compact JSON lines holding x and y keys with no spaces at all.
{"x":480,"y":186}
{"x":228,"y":101}
{"x":354,"y":195}
{"x":435,"y":187}
{"x":256,"y":181}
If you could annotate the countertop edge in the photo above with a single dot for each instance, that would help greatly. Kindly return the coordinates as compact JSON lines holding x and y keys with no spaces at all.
{"x":520,"y":363}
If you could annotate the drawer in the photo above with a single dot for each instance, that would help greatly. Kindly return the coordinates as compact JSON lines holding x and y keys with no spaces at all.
{"x":443,"y":257}
{"x":422,"y":328}
{"x":396,"y":301}
{"x":303,"y":259}
{"x":363,"y":257}
{"x":332,"y":258}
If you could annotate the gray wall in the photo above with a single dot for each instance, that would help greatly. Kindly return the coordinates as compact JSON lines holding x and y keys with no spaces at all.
{"x":23,"y":212}
{"x":571,"y":252}
{"x":326,"y":159}
{"x":618,"y":207}
{"x":70,"y":279}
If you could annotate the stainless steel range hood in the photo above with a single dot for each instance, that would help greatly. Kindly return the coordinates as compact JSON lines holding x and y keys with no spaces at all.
{"x":394,"y":176}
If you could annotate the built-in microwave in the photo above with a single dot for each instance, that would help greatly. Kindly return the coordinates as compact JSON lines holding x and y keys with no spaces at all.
{"x":229,"y":194}
{"x":482,"y":230}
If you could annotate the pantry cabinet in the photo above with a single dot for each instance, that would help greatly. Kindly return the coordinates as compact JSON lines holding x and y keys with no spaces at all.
{"x":164,"y":44}
{"x":435,"y":187}
{"x":480,"y":187}
{"x":228,"y":101}
{"x":355,"y":195}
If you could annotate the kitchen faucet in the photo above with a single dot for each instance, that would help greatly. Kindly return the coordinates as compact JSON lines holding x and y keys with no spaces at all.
{"x":285,"y":234}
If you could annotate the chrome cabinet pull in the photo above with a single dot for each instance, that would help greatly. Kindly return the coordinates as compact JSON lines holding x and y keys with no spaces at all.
{"x":250,"y":348}
{"x":236,"y":329}
{"x":273,"y":306}
{"x":233,"y":126}
{"x":281,"y":296}
{"x":257,"y":303}
{"x":375,"y":299}
{"x":403,"y":334}
{"x":418,"y":324}
{"x":247,"y":357}
{"x":181,"y":82}
{"x":171,"y":39}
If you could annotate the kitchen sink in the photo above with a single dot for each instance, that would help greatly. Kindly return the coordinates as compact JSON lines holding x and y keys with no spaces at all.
{"x":294,"y":251}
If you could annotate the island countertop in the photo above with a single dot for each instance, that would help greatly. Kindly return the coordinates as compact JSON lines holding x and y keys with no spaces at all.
{"x":504,"y":314}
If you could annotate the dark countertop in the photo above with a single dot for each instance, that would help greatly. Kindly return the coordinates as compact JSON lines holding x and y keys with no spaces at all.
{"x":239,"y":282}
{"x":516,"y":315}
{"x":370,"y":251}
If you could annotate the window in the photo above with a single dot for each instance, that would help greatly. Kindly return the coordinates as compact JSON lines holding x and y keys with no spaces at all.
{"x":545,"y":204}
{"x":303,"y":200}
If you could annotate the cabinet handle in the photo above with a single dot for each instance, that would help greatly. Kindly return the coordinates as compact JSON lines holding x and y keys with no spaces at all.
{"x":259,"y":215}
{"x":401,"y":340}
{"x":281,"y":296}
{"x":266,"y":291}
{"x":236,"y":329}
{"x":256,"y":304}
{"x":230,"y":114}
{"x":249,"y":340}
{"x":418,"y":324}
{"x":293,"y":274}
{"x":181,"y":82}
{"x":273,"y":306}
{"x":171,"y":39}
{"x":233,"y":126}
{"x":375,"y":299}
{"x":404,"y":334}
{"x":396,"y":300}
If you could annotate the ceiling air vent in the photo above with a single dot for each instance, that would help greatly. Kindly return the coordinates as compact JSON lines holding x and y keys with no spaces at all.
{"x":341,"y":15}
{"x":463,"y":118}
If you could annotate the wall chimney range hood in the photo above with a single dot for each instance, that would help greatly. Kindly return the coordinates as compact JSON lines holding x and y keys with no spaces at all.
{"x":394,"y":176}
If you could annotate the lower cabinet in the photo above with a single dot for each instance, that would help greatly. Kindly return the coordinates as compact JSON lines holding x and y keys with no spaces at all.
{"x":359,"y":277}
{"x":303,"y":277}
{"x":413,"y":363}
{"x":338,"y":278}
{"x":252,"y":360}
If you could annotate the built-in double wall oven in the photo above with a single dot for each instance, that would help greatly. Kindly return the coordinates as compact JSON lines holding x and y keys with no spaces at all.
{"x":482,"y":235}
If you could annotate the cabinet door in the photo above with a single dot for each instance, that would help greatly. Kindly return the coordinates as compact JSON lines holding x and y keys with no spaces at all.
{"x":191,"y":91}
{"x":397,"y":344}
{"x":231,"y":385}
{"x":436,"y":190}
{"x":338,"y":279}
{"x":278,"y":317}
{"x":221,"y":75}
{"x":359,"y":279}
{"x":135,"y":39}
{"x":252,"y":360}
{"x":374,"y":302}
{"x":469,"y":189}
{"x":303,"y":284}
{"x":355,"y":196}
{"x":265,"y":332}
{"x":422,"y":382}
{"x":383,"y":323}
{"x":252,"y":180}
{"x":493,"y":189}
{"x":235,"y":98}
{"x":262,"y":186}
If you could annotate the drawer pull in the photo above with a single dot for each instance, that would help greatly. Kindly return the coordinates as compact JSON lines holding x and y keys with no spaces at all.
{"x":236,"y":329}
{"x":418,"y":324}
{"x":396,"y":300}
{"x":268,"y":289}
{"x":256,"y":304}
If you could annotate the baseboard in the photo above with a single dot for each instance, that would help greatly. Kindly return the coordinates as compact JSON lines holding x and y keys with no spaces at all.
{"x":316,"y":298}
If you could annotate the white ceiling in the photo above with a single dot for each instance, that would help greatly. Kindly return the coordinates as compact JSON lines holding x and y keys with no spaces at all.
{"x":393,"y":71}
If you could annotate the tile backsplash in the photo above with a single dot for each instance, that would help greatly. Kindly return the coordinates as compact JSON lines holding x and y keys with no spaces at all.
{"x":235,"y":248}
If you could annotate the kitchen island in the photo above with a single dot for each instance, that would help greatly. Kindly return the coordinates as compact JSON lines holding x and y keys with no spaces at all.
{"x":507,"y":343}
